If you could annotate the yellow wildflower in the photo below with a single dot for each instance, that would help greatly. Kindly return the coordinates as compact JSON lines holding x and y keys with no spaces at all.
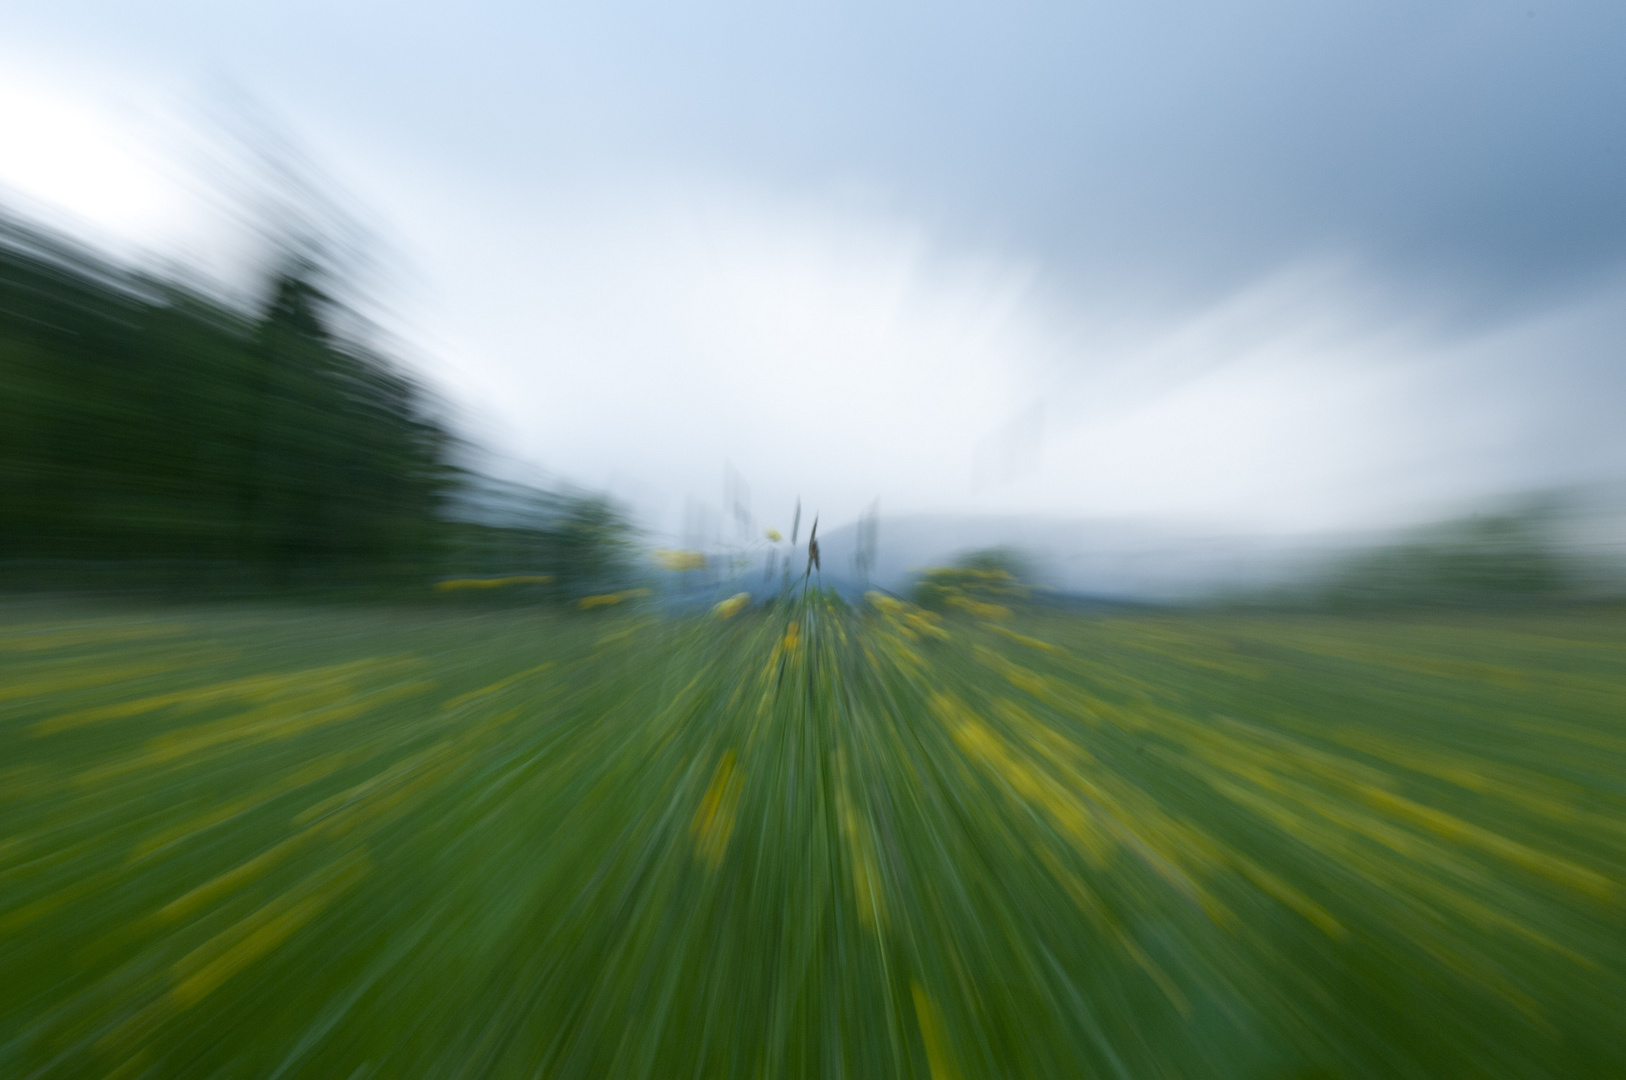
{"x":713,"y":822}
{"x":587,"y":603}
{"x":868,"y":892}
{"x":680,"y":560}
{"x":926,"y":623}
{"x":727,"y":609}
{"x":773,"y":534}
{"x":492,"y":583}
{"x":980,"y":609}
{"x":934,"y":1034}
{"x":884,"y":602}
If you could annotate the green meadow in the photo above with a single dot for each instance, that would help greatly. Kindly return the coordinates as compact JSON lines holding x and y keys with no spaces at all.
{"x":809,"y":840}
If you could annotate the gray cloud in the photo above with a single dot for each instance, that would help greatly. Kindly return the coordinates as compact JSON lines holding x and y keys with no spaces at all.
{"x":952,"y":213}
{"x":1481,"y":141}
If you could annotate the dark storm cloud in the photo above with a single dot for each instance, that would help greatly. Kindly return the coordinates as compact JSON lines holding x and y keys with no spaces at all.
{"x":1483,"y":143}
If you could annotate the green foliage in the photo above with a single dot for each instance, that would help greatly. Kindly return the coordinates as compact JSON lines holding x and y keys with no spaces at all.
{"x":591,"y":544}
{"x":1491,"y":560}
{"x":583,"y":543}
{"x":987,"y":583}
{"x":1484,"y":557}
{"x":806,"y":842}
{"x":140,"y":420}
{"x":151,"y":433}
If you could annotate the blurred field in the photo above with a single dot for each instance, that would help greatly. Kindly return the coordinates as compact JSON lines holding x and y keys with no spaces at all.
{"x":340,"y":843}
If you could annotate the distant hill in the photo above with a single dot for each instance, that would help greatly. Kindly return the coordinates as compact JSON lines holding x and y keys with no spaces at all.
{"x":1108,"y":559}
{"x":1569,"y":543}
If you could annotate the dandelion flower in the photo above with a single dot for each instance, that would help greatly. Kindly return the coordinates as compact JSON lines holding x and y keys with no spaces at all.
{"x":680,"y":561}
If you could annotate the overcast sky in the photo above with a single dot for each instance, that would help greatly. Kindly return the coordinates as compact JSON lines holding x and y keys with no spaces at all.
{"x":1278,"y":266}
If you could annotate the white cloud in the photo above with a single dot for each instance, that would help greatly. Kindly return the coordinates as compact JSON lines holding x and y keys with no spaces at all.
{"x":837,"y":355}
{"x":640,"y":334}
{"x":643,"y":337}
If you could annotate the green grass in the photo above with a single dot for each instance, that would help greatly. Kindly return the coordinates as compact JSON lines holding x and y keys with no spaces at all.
{"x":345,"y":843}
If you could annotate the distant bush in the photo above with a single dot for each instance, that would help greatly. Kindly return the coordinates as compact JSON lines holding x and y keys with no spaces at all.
{"x":1493,"y":559}
{"x":988,"y":583}
{"x":566,"y":546}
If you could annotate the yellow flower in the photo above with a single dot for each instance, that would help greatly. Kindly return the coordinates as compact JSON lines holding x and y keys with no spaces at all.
{"x":773,"y":534}
{"x":713,"y":822}
{"x":980,"y":609}
{"x":492,"y":583}
{"x":793,"y":634}
{"x":727,"y":609}
{"x":606,"y":599}
{"x":934,"y":1034}
{"x":926,"y":623}
{"x":680,"y":560}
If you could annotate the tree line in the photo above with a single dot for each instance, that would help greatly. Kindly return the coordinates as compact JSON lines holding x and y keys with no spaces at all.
{"x":147,"y":426}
